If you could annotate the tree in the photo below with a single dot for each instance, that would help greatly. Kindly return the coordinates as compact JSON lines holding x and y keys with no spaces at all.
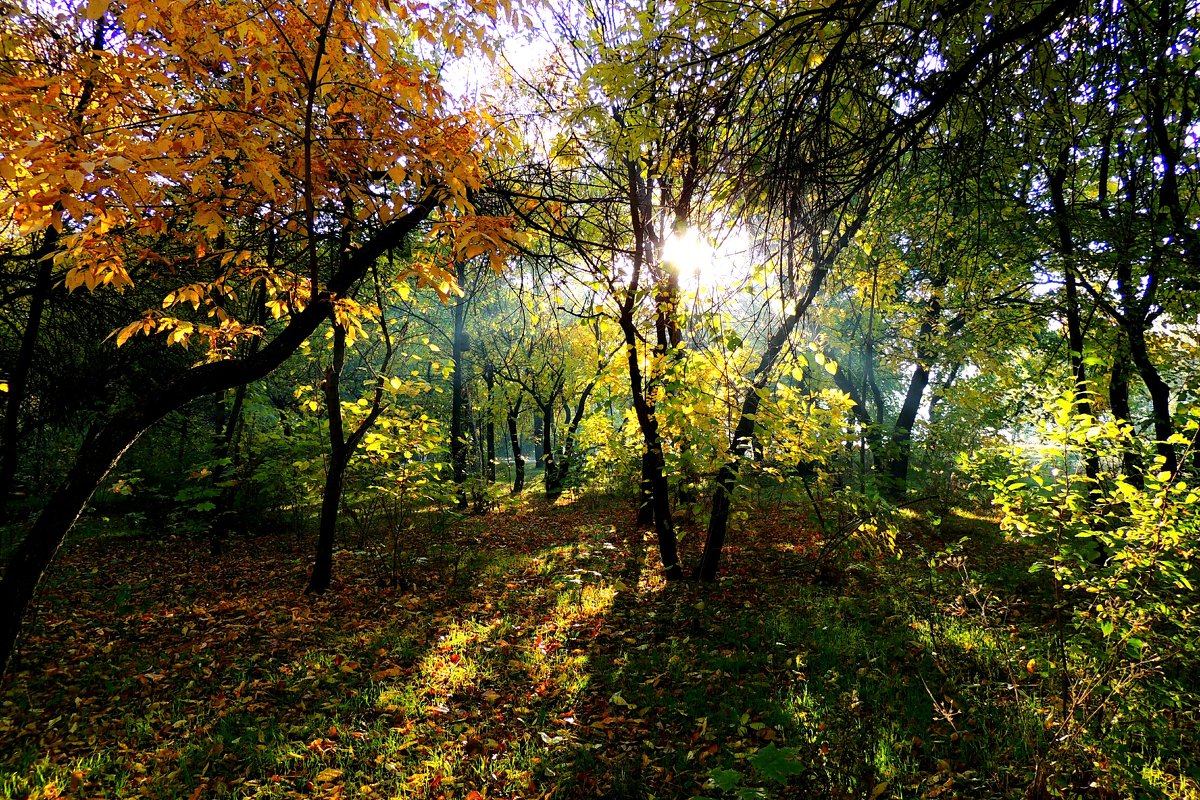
{"x":318,"y":125}
{"x":832,"y":103}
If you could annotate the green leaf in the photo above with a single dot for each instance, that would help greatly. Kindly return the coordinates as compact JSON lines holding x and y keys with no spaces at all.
{"x":777,"y":764}
{"x":726,"y":779}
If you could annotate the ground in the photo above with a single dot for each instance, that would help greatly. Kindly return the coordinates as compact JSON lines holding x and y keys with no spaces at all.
{"x":535,"y":652}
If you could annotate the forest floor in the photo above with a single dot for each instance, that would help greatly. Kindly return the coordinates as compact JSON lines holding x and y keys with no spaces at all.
{"x":535,"y":652}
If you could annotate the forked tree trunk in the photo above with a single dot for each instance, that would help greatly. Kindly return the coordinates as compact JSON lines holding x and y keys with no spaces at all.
{"x":341,"y":446}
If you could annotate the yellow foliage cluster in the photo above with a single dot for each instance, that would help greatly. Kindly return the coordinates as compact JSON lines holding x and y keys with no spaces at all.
{"x":160,"y":138}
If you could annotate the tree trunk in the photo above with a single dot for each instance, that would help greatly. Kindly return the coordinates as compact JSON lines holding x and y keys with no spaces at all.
{"x":489,"y":426}
{"x":1075,"y":334}
{"x":900,"y":448}
{"x":1160,"y":397}
{"x":552,"y":475}
{"x":645,"y":515}
{"x":1118,"y":401}
{"x":512,"y":417}
{"x":458,"y":404}
{"x":539,"y":443}
{"x":331,"y":498}
{"x":726,"y":483}
{"x":743,"y":432}
{"x":18,"y":379}
{"x":653,"y":463}
{"x":101,"y":452}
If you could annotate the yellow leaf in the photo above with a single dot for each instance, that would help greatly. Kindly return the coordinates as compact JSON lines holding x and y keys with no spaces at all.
{"x":328,"y":775}
{"x":95,"y":9}
{"x":128,"y":331}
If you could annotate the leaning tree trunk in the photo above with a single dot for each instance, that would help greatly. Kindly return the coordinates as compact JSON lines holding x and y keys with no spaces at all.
{"x":743,"y":433}
{"x":1160,"y":396}
{"x":718,"y":521}
{"x":101,"y":452}
{"x":900,"y":448}
{"x":43,"y":256}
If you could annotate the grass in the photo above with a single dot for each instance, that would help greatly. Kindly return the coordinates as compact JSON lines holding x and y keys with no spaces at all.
{"x":539,"y":654}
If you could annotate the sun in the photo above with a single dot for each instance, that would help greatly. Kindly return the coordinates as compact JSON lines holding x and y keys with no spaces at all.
{"x":703,"y":264}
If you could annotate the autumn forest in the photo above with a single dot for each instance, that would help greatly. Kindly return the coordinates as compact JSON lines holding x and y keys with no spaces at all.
{"x":607,"y":399}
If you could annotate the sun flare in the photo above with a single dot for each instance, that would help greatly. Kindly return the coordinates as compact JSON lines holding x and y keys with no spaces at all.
{"x":703,"y":264}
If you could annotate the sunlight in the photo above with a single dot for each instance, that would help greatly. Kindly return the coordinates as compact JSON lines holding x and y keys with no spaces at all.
{"x":702,"y":264}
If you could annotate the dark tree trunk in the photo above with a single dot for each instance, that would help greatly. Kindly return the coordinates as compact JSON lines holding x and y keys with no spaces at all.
{"x":18,"y":379}
{"x":489,"y":426}
{"x":101,"y":452}
{"x":331,"y":498}
{"x":1160,"y":397}
{"x":458,"y":403}
{"x":552,"y":476}
{"x":1075,"y":333}
{"x":514,"y":413}
{"x":1118,"y":401}
{"x":726,"y":483}
{"x":718,"y":522}
{"x":743,"y":436}
{"x":653,"y":463}
{"x":900,"y":448}
{"x":539,"y":442}
{"x":645,"y":514}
